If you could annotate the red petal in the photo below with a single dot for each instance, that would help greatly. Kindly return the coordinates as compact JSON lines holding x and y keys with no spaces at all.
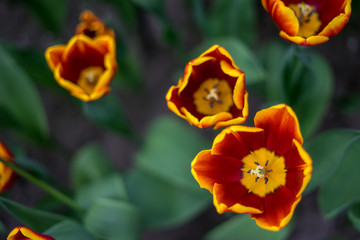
{"x":281,"y":127}
{"x":209,"y":169}
{"x":278,"y":209}
{"x":226,"y":196}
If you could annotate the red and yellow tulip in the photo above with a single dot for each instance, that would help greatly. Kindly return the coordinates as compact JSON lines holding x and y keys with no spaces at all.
{"x":259,"y":170}
{"x":309,"y":22}
{"x":6,"y":173}
{"x":85,"y":66}
{"x":21,"y":233}
{"x":212,"y":91}
{"x":92,"y":26}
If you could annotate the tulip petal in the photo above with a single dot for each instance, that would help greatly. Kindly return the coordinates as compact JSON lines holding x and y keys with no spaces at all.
{"x":278,"y":209}
{"x":209,"y":169}
{"x":281,"y":126}
{"x":235,"y":197}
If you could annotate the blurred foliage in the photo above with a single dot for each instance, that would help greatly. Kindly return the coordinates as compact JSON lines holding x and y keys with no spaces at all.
{"x":168,"y":195}
{"x":244,"y":226}
{"x":24,"y":112}
{"x":51,"y":14}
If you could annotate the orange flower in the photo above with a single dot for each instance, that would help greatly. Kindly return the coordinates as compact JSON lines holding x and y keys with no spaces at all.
{"x":309,"y":22}
{"x":6,"y":173}
{"x":259,"y":170}
{"x":211,"y":92}
{"x":20,"y":233}
{"x":84,"y":66}
{"x":91,"y":26}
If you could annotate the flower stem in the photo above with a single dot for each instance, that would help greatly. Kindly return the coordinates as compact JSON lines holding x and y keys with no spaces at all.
{"x":46,"y":187}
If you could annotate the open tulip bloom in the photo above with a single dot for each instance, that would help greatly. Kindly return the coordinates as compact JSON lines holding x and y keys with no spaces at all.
{"x":84,"y":66}
{"x":309,"y":22}
{"x":259,"y":170}
{"x":21,"y":233}
{"x":212,"y":91}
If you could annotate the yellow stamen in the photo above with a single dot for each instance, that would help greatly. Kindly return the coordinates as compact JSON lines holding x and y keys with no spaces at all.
{"x":213,"y":96}
{"x":309,"y":21}
{"x":89,"y":77}
{"x":263,"y":172}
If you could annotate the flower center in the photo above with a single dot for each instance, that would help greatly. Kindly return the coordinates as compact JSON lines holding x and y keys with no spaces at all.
{"x":89,"y":77}
{"x":263,"y":172}
{"x":213,"y":96}
{"x":308,"y":17}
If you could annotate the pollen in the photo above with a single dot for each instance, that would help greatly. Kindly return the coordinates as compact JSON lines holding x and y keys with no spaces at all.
{"x":213,"y":96}
{"x":263,"y":172}
{"x":308,"y":17}
{"x":89,"y":78}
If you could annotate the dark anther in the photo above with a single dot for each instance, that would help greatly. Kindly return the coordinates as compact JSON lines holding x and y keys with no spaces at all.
{"x":249,"y":171}
{"x":266,"y":180}
{"x":269,"y":170}
{"x":257,"y":163}
{"x":267,"y":161}
{"x":256,"y":179}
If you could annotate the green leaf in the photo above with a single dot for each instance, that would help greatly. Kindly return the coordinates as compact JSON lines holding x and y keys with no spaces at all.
{"x":315,"y":96}
{"x":35,"y":219}
{"x":51,"y":14}
{"x":110,"y":186}
{"x":244,"y":227}
{"x":162,"y":203}
{"x":341,"y":190}
{"x":354,"y":216}
{"x":172,"y":144}
{"x":89,"y":164}
{"x":154,"y":6}
{"x":301,"y":79}
{"x":327,"y":150}
{"x":162,"y":185}
{"x":108,"y":113}
{"x":127,"y":12}
{"x":33,"y":62}
{"x":69,"y":229}
{"x":20,"y":99}
{"x":113,"y":220}
{"x":243,"y":57}
{"x":233,"y":18}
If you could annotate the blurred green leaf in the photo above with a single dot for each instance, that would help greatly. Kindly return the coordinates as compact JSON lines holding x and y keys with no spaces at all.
{"x":35,"y":219}
{"x":327,"y":150}
{"x":244,"y":226}
{"x":301,"y":79}
{"x":168,"y":194}
{"x":172,"y":144}
{"x":316,"y":91}
{"x":108,"y":113}
{"x":20,"y":99}
{"x":3,"y":229}
{"x":34,"y":64}
{"x":126,"y":10}
{"x":69,"y":229}
{"x":341,"y":190}
{"x":51,"y":14}
{"x":235,"y":18}
{"x":162,"y":203}
{"x":354,"y":216}
{"x":154,"y":6}
{"x":89,"y":164}
{"x":129,"y":74}
{"x":110,"y":186}
{"x":113,"y":220}
{"x":157,"y":7}
{"x":242,"y":55}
